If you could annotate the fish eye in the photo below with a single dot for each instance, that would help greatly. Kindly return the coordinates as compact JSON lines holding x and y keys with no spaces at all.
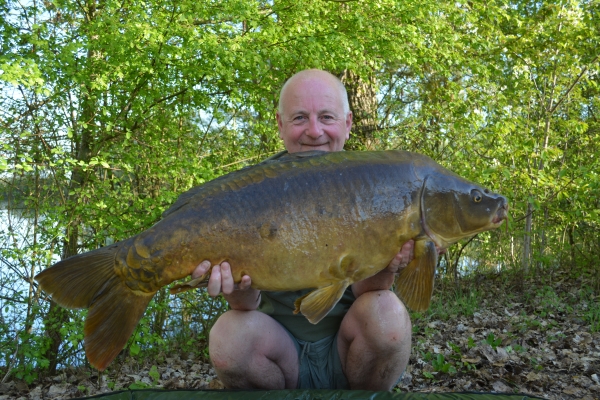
{"x":476,"y":195}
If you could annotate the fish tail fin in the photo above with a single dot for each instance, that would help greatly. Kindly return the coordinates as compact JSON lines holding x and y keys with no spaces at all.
{"x":89,"y":281}
{"x":317,"y":304}
{"x":414,"y":284}
{"x":74,"y":282}
{"x":111,"y":320}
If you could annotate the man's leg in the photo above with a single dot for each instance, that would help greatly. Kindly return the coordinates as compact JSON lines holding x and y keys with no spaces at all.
{"x":374,"y":341}
{"x":250,"y":350}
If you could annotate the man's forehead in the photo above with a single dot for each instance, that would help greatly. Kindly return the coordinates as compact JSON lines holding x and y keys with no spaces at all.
{"x":314,"y":102}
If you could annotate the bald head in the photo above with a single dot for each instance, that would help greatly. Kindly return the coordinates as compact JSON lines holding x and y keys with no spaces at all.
{"x":313,"y":112}
{"x":300,"y":79}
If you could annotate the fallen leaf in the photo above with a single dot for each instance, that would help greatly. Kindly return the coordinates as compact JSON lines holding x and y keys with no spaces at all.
{"x":532,"y":377}
{"x":216,"y":384}
{"x":571,"y":390}
{"x":56,"y":390}
{"x":498,"y":356}
{"x":22,"y":386}
{"x":500,"y":386}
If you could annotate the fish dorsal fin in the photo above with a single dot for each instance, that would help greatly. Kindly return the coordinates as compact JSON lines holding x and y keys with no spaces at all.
{"x":414,"y":284}
{"x":288,"y":164}
{"x":317,"y":304}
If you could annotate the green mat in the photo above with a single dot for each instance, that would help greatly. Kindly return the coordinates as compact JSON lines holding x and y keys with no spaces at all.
{"x":300,"y":394}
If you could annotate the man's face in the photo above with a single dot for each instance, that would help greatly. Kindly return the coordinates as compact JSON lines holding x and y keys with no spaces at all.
{"x":312,"y":115}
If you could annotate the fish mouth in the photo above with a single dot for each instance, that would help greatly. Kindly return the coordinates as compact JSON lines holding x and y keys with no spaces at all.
{"x":501,"y":215}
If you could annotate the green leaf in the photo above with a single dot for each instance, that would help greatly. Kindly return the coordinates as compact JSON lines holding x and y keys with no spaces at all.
{"x":134,"y":349}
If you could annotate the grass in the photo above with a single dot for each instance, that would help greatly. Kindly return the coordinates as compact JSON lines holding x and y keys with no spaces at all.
{"x":446,"y":306}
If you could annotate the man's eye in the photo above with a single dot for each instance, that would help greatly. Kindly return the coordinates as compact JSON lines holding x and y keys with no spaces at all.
{"x":327,"y":117}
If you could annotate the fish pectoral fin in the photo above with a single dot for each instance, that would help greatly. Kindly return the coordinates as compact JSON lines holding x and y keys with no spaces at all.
{"x":414,"y":284}
{"x":317,"y":304}
{"x":189,"y":285}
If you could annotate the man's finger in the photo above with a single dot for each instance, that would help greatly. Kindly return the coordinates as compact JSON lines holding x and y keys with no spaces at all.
{"x":214,"y":283}
{"x":398,"y":261}
{"x":226,"y":278}
{"x":245,"y":283}
{"x":201,"y":269}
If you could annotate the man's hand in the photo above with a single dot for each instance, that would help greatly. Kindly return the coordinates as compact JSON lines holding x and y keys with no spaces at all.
{"x":403,"y":258}
{"x":221,"y":280}
{"x":240,"y":296}
{"x":384,"y":279}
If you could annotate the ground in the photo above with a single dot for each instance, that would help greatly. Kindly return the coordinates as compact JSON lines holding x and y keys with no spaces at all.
{"x":531,"y":337}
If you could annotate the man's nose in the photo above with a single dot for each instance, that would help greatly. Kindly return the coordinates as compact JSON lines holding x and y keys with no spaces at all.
{"x":314,"y":129}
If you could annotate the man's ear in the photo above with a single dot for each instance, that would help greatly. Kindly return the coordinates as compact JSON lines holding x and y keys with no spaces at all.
{"x":279,"y":123}
{"x":348,"y":124}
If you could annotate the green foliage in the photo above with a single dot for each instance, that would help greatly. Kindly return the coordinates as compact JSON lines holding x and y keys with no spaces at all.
{"x":547,"y":301}
{"x":139,"y":385}
{"x":456,"y":352}
{"x":154,"y":374}
{"x":590,"y":308}
{"x":536,"y":364}
{"x":451,"y":303}
{"x":518,"y":348}
{"x":428,"y":375}
{"x":471,"y":343}
{"x":440,"y":365}
{"x":493,"y":341}
{"x":31,"y":357}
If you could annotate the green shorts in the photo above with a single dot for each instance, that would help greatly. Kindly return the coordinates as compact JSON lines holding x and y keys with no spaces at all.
{"x":319,"y":364}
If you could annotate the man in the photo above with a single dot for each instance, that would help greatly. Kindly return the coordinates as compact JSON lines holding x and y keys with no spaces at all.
{"x":364,"y":342}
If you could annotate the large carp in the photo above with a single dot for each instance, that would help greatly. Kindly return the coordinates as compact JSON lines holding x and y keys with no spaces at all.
{"x":307,"y":220}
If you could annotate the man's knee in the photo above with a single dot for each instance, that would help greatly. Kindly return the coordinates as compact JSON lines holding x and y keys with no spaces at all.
{"x":381,"y":319}
{"x":375,"y":341}
{"x":249,"y":349}
{"x":231,"y":336}
{"x":232,"y":324}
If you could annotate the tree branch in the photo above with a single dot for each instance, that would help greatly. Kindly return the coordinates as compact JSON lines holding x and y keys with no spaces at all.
{"x":583,"y":72}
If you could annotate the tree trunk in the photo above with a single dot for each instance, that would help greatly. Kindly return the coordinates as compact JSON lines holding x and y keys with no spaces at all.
{"x":527,"y":239}
{"x":363,"y":104}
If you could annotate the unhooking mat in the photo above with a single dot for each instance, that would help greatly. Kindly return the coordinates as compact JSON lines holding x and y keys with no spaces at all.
{"x":299,"y":394}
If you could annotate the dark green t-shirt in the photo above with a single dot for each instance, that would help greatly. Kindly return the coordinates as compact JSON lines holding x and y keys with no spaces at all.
{"x":280,"y":306}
